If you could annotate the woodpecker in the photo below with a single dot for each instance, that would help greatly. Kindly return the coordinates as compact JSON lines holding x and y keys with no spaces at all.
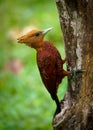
{"x":49,"y":61}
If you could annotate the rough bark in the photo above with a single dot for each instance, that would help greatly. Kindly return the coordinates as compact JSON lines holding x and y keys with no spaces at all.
{"x":76,"y":19}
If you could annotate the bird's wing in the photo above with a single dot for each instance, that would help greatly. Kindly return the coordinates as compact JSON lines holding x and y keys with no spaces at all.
{"x":59,"y":69}
{"x":47,"y":68}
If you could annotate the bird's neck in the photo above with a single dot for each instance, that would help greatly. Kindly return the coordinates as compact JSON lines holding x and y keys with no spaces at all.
{"x":39,"y":49}
{"x":40,"y":46}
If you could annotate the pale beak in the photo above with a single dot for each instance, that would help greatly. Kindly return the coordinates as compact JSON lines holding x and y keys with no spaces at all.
{"x":46,"y":31}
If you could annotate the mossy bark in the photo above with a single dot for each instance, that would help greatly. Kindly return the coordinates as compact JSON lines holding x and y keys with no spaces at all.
{"x":76,"y":19}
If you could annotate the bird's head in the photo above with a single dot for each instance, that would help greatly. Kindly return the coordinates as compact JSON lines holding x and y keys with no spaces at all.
{"x":33,"y":38}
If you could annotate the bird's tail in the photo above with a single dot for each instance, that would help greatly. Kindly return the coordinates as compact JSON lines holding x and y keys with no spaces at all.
{"x":58,"y":109}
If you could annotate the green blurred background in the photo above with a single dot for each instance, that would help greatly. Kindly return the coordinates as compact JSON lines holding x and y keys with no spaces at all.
{"x":25,"y":104}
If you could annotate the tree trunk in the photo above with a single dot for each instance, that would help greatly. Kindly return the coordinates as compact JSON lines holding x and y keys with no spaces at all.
{"x":76,"y":19}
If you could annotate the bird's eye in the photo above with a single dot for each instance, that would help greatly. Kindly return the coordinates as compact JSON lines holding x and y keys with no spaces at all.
{"x":37,"y":34}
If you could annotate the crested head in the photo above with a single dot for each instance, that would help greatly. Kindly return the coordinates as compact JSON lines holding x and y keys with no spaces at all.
{"x":33,"y":38}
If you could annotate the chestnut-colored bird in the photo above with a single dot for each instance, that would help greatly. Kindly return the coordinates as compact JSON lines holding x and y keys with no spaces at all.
{"x":49,"y":61}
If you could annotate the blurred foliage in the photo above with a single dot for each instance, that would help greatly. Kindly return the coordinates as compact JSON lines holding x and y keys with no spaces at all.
{"x":24,"y":101}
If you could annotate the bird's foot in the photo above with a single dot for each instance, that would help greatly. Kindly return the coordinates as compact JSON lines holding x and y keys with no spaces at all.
{"x":64,"y":60}
{"x":75,"y":72}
